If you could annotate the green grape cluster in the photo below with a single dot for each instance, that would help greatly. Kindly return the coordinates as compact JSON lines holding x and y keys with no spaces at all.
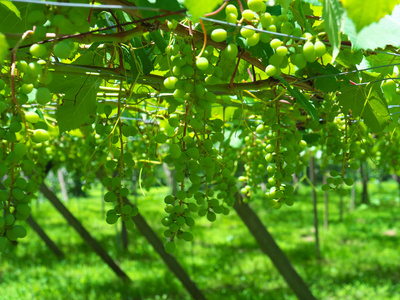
{"x":340,"y":139}
{"x":16,"y":165}
{"x":120,"y":165}
{"x":272,"y":155}
{"x":207,"y":185}
{"x":285,"y":46}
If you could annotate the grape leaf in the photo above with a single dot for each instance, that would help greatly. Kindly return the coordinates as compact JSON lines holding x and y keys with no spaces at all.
{"x":198,"y":8}
{"x":11,"y":7}
{"x":162,"y":7}
{"x":326,"y":84}
{"x":80,"y":93}
{"x":365,"y":12}
{"x":367,"y":103}
{"x":307,"y":105}
{"x":78,"y":104}
{"x":376,"y":35}
{"x":332,"y":13}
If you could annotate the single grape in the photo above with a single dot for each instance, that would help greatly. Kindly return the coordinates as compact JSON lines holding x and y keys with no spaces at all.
{"x":170,"y":247}
{"x":40,"y":135}
{"x":281,"y":51}
{"x":62,"y":50}
{"x":247,"y":31}
{"x":231,"y":51}
{"x":266,"y":20}
{"x":309,"y":52}
{"x":38,"y":50}
{"x":175,"y":151}
{"x":256,"y":5}
{"x":320,"y":48}
{"x":249,"y":15}
{"x":287,"y":28}
{"x":202,"y":63}
{"x":32,"y":117}
{"x":275,"y":43}
{"x":231,"y":9}
{"x":253,"y":40}
{"x":218,"y":35}
{"x":43,"y":95}
{"x":170,"y":82}
{"x":26,"y":88}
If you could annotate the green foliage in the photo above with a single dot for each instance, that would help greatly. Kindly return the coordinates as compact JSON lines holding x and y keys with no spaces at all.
{"x":365,"y":12}
{"x":368,"y":103}
{"x":198,"y":9}
{"x":332,"y":14}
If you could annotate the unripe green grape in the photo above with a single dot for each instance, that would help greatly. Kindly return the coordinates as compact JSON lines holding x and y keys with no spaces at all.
{"x":275,"y":43}
{"x":187,"y":71}
{"x":320,"y":48}
{"x":249,"y":15}
{"x":38,"y":50}
{"x":175,"y":151}
{"x":211,"y":216}
{"x":253,"y":40}
{"x":287,"y":28}
{"x":26,"y":88}
{"x":231,"y":51}
{"x":126,"y":209}
{"x":231,"y":9}
{"x":40,"y":135}
{"x":170,"y":247}
{"x":166,"y":221}
{"x":309,"y":52}
{"x":281,"y":51}
{"x":9,"y":219}
{"x":299,"y":60}
{"x":231,"y":18}
{"x":349,"y":181}
{"x":169,"y":199}
{"x":112,"y":219}
{"x":22,"y":99}
{"x":161,"y":138}
{"x":325,"y":187}
{"x":187,"y":236}
{"x":256,"y":5}
{"x":110,"y":197}
{"x":62,"y":50}
{"x":266,"y":20}
{"x":202,"y":63}
{"x":43,"y":95}
{"x":247,"y":31}
{"x":219,"y":35}
{"x":275,"y":60}
{"x":170,"y":82}
{"x":19,"y":231}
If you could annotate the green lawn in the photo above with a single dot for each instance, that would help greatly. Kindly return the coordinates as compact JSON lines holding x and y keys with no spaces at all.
{"x":360,"y":256}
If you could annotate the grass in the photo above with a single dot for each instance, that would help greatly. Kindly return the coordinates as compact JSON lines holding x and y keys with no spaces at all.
{"x":360,"y":255}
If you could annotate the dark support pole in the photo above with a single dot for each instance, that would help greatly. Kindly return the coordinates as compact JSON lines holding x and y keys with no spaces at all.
{"x":50,"y":244}
{"x":169,"y":260}
{"x":94,"y":244}
{"x":270,"y":247}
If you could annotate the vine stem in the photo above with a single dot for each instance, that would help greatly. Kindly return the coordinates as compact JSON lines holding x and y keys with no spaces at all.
{"x":205,"y":39}
{"x":218,"y":10}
